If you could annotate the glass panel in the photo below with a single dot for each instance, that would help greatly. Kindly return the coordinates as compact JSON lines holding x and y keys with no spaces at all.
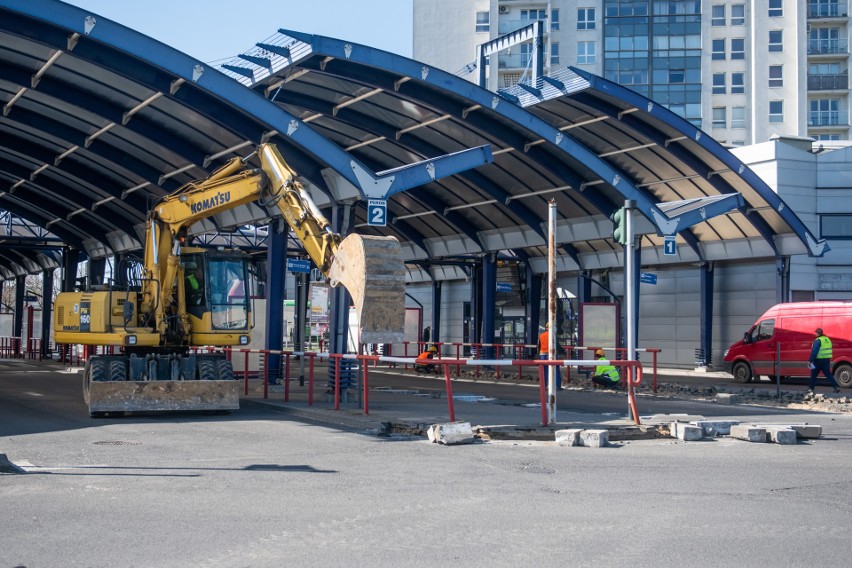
{"x":229,"y":294}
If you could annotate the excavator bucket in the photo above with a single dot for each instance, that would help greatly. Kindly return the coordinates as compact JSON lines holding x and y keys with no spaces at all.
{"x":372,"y":270}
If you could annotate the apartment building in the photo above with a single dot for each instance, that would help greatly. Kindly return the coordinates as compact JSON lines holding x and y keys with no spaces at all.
{"x":742,"y":70}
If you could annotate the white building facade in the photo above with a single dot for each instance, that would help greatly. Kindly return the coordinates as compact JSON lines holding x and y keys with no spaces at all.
{"x":741,"y":70}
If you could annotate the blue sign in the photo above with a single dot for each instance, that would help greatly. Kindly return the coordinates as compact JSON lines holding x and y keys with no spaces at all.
{"x":377,"y":212}
{"x":670,"y":246}
{"x":504,"y":287}
{"x":647,"y":278}
{"x":298,"y":265}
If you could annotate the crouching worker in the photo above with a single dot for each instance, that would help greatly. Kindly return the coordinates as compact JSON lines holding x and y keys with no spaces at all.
{"x":605,"y":375}
{"x":423,"y":363}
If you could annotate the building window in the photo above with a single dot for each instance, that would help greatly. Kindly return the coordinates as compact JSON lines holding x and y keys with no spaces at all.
{"x":776,"y":40}
{"x":585,"y":18}
{"x":554,"y":53}
{"x":776,"y":111}
{"x":677,"y":75}
{"x":720,"y":119}
{"x":585,"y":52}
{"x":835,"y":226}
{"x":737,"y":49}
{"x":554,"y":20}
{"x":719,"y":49}
{"x":776,"y":8}
{"x":824,"y":112}
{"x":533,"y":15}
{"x":776,"y":75}
{"x":738,"y":117}
{"x":719,"y":84}
{"x":718,"y":18}
{"x":483,"y":22}
{"x":737,"y":83}
{"x":738,"y":14}
{"x":738,"y":143}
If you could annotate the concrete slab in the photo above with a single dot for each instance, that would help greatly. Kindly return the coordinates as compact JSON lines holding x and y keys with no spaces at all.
{"x":783,"y":436}
{"x":451,"y":433}
{"x":686,"y":432}
{"x":804,"y":431}
{"x":568,"y":437}
{"x":748,"y":433}
{"x":714,"y":428}
{"x":594,"y":438}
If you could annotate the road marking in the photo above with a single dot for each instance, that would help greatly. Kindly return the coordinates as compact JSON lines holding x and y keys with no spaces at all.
{"x":33,"y":393}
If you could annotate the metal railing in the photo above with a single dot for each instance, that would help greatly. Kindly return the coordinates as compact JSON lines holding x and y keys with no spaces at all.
{"x":828,"y":118}
{"x":827,"y":10}
{"x":838,"y":82}
{"x":828,"y":46}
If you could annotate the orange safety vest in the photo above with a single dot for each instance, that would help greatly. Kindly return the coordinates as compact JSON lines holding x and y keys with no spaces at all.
{"x":543,"y":342}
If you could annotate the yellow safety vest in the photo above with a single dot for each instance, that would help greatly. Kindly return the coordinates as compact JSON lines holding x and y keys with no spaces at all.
{"x":824,"y":348}
{"x":193,"y":281}
{"x":608,"y":371}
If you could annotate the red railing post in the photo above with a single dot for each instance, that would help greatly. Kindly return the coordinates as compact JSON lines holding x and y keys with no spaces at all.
{"x":478,"y":353}
{"x":458,"y":358}
{"x":449,"y":387}
{"x":405,"y":352}
{"x":499,"y":355}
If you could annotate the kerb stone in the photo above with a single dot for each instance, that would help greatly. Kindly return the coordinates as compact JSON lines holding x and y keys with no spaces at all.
{"x":748,"y":433}
{"x":594,"y":438}
{"x":727,"y":398}
{"x":568,"y":437}
{"x":686,"y":432}
{"x":451,"y":433}
{"x":784,"y":436}
{"x":714,"y":428}
{"x":804,"y":431}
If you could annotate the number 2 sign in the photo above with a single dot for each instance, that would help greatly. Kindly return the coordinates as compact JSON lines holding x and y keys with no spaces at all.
{"x":377,"y":212}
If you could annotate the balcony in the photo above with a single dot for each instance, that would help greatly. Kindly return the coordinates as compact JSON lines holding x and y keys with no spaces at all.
{"x":508,"y":26}
{"x":828,"y":118}
{"x":828,"y":46}
{"x":513,"y":61}
{"x":827,"y":10}
{"x":828,"y":82}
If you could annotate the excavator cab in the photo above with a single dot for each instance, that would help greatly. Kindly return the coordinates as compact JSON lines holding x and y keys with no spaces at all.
{"x":216,"y":288}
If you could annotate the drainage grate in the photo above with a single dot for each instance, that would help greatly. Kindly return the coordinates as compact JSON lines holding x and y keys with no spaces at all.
{"x":116,"y":443}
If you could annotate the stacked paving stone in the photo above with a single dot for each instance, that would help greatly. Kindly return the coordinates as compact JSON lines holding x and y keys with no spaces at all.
{"x":785,"y":434}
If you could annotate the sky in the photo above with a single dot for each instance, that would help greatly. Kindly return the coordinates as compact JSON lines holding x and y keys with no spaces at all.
{"x":214,"y":31}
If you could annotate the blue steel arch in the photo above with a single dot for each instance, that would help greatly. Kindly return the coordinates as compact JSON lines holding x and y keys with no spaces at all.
{"x":487,"y":100}
{"x":167,"y":70}
{"x":814,"y":246}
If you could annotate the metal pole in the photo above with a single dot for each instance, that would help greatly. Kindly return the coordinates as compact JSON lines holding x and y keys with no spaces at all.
{"x":630,"y":290}
{"x":551,"y":310}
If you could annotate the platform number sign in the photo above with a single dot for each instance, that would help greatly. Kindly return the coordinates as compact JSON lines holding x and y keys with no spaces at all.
{"x":669,"y":246}
{"x":377,"y":212}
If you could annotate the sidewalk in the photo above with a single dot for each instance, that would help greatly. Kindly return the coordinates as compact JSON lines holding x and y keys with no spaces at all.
{"x":412,"y":410}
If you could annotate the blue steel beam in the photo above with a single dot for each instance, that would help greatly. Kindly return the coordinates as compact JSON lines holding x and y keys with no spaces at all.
{"x":702,"y":209}
{"x":487,"y":101}
{"x":815,"y":247}
{"x":163,"y":63}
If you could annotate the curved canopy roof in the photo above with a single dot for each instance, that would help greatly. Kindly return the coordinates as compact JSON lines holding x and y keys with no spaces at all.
{"x":99,"y":121}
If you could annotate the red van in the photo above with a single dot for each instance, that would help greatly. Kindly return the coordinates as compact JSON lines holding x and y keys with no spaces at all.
{"x":792,"y":326}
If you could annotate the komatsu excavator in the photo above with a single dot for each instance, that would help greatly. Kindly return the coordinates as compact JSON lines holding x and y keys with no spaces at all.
{"x":194,"y":297}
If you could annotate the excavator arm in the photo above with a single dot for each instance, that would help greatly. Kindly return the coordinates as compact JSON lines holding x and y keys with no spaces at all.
{"x":370,"y":268}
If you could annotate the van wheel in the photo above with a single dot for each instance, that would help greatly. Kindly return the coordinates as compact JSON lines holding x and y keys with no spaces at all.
{"x":741,"y":372}
{"x":843,"y":375}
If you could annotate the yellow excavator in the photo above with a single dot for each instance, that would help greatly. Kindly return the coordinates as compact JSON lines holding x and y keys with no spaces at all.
{"x":193,"y":297}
